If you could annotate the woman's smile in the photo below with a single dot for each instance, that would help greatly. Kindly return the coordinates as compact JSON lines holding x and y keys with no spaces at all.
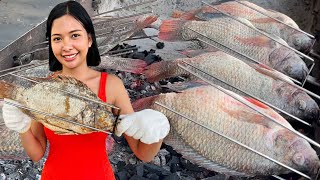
{"x":70,"y":57}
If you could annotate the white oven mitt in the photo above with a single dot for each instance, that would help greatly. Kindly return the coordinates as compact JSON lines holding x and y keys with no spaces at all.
{"x":148,"y":126}
{"x":14,"y":118}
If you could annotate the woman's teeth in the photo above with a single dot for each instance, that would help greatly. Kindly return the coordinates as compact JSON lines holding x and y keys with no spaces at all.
{"x":71,"y":56}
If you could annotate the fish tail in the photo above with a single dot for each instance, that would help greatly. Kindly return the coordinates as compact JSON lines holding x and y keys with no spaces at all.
{"x":157,"y":71}
{"x":144,"y":103}
{"x":6,"y":89}
{"x":171,"y":30}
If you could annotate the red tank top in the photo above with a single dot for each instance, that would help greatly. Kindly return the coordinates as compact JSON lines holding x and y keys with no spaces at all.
{"x":78,"y":156}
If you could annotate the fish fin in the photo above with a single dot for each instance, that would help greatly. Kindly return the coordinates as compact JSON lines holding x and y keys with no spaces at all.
{"x":259,"y":41}
{"x":123,"y":64}
{"x":144,"y":103}
{"x":158,"y":71}
{"x":193,"y":53}
{"x":177,"y":13}
{"x":170,"y":30}
{"x":6,"y":89}
{"x":266,"y":70}
{"x":263,"y":20}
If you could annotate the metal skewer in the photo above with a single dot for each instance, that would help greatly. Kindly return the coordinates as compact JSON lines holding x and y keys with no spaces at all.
{"x":56,"y":117}
{"x":127,"y":7}
{"x":250,"y":106}
{"x":235,"y":141}
{"x":274,"y":107}
{"x":29,"y":66}
{"x":67,"y":92}
{"x":311,"y":36}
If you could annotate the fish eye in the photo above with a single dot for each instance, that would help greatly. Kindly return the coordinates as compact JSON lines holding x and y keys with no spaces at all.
{"x":302,"y":105}
{"x":298,"y":159}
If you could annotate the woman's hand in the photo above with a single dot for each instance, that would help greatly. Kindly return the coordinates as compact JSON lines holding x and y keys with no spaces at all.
{"x":14,"y":118}
{"x":148,"y":126}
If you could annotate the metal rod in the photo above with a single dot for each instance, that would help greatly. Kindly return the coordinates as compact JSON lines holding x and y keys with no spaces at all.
{"x":261,"y":32}
{"x":68,"y":92}
{"x":127,"y":7}
{"x":251,"y":106}
{"x":278,"y":177}
{"x":108,"y":19}
{"x":44,"y":42}
{"x":249,"y":58}
{"x":39,"y":49}
{"x":274,"y":107}
{"x":119,"y":54}
{"x":120,"y":50}
{"x":54,"y":116}
{"x":311,"y":36}
{"x":305,"y":80}
{"x":143,"y":37}
{"x":32,"y":65}
{"x":235,"y":141}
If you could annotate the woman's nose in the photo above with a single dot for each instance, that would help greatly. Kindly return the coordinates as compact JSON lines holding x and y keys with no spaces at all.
{"x":67,"y":45}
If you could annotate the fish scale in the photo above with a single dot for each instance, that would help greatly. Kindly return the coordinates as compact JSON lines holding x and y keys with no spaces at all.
{"x":244,"y":77}
{"x":209,"y":106}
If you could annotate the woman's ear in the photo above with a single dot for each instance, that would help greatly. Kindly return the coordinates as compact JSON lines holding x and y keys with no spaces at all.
{"x":89,"y":40}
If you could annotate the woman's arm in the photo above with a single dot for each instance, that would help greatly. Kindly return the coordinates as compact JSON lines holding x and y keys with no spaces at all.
{"x":34,"y":141}
{"x":145,"y":152}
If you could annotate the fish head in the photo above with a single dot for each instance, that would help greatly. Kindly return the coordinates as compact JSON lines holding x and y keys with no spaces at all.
{"x":289,"y":63}
{"x":305,"y":158}
{"x":296,"y":152}
{"x":300,"y":41}
{"x":298,"y":102}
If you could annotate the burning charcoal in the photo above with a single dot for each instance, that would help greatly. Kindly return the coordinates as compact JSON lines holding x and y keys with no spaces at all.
{"x":152,"y":176}
{"x":160,"y":45}
{"x":122,"y":175}
{"x":14,"y":175}
{"x":151,"y":168}
{"x":151,"y":58}
{"x":189,"y":166}
{"x":137,"y":55}
{"x":172,"y":176}
{"x":135,"y":177}
{"x":140,"y":170}
{"x":121,"y":165}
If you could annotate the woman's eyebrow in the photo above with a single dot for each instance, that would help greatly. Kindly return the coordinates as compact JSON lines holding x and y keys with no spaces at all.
{"x":76,"y":30}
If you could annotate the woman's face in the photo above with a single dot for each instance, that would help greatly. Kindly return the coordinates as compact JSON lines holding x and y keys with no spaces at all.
{"x":70,"y":42}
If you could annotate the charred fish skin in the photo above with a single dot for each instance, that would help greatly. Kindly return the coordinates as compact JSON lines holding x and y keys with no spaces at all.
{"x":45,"y":97}
{"x":240,"y":75}
{"x":231,"y":33}
{"x":212,"y":108}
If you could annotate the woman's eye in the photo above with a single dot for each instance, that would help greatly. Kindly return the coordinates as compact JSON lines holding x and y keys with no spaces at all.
{"x":75,"y":35}
{"x":56,"y":39}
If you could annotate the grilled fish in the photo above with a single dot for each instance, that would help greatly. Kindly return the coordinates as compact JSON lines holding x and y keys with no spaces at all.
{"x":293,"y":37}
{"x":237,"y":37}
{"x":46,"y":98}
{"x":240,"y":75}
{"x":222,"y":113}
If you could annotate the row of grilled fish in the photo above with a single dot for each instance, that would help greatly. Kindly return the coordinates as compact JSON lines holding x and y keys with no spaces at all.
{"x":227,"y":33}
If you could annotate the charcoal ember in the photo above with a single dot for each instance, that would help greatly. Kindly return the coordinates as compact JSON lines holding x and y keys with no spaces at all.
{"x":122,"y":175}
{"x":160,"y":45}
{"x":189,"y":166}
{"x":151,"y":168}
{"x":121,"y":165}
{"x":172,"y":176}
{"x":152,"y":176}
{"x":140,"y":170}
{"x":136,"y":177}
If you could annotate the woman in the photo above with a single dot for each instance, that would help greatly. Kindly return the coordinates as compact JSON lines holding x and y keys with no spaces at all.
{"x":72,"y":49}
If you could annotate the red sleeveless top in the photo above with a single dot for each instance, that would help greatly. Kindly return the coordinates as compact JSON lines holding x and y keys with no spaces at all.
{"x":78,"y":156}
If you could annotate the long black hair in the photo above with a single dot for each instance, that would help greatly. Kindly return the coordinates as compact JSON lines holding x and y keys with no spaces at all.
{"x":76,"y":10}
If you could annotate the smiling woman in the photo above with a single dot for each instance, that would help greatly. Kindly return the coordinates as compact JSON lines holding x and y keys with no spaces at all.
{"x":72,"y":49}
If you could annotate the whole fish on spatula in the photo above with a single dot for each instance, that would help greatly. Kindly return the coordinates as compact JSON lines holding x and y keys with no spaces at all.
{"x":45,"y":97}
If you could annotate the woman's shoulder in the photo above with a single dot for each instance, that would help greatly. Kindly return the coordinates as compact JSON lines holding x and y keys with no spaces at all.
{"x":114,"y":80}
